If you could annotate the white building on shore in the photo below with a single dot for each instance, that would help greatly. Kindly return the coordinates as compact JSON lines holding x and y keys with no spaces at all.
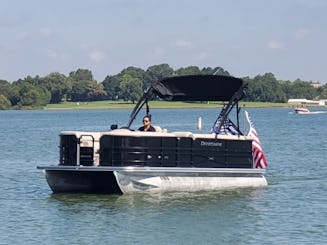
{"x":307,"y":102}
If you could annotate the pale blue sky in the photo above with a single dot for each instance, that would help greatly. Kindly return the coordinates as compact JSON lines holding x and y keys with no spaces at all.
{"x":245,"y":37}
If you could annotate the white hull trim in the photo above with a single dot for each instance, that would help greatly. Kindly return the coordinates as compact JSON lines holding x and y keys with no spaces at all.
{"x":186,"y":179}
{"x":138,"y":183}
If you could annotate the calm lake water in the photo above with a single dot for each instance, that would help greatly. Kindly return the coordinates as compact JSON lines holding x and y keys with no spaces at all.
{"x":292,"y":209}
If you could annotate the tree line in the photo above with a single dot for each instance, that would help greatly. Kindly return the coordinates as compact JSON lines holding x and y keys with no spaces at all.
{"x":129,"y":84}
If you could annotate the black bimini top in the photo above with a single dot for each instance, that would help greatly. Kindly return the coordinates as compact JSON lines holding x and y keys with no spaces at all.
{"x":194,"y":88}
{"x":198,"y":88}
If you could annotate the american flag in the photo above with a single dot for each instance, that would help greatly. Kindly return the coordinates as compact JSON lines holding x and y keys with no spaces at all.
{"x":259,"y":159}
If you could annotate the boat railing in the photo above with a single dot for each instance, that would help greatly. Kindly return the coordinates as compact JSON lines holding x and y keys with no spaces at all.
{"x":183,"y":150}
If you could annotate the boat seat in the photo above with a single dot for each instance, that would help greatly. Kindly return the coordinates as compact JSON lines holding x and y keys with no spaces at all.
{"x":158,"y":129}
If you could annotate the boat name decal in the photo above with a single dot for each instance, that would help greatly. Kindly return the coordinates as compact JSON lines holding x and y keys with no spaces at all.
{"x":206,"y":143}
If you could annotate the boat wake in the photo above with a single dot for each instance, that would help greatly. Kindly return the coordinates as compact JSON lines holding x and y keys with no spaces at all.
{"x":312,"y":112}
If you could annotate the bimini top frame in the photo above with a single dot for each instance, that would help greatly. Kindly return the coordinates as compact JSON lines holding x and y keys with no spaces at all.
{"x":195,"y":88}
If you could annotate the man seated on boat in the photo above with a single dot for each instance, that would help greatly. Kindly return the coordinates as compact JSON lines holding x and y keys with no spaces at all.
{"x":147,"y":127}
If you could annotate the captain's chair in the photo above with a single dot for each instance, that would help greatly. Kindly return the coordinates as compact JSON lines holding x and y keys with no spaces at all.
{"x":157,"y":128}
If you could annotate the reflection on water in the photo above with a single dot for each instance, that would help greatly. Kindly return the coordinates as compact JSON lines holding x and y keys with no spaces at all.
{"x":156,"y":202}
{"x":156,"y":198}
{"x":156,"y":218}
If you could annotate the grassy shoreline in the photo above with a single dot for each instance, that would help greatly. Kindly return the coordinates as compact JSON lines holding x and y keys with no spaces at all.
{"x":108,"y":104}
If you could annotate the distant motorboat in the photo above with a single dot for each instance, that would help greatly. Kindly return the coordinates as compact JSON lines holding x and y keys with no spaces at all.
{"x":301,"y":110}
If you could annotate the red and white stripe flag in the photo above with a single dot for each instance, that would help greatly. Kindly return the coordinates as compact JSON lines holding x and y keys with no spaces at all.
{"x":259,"y":159}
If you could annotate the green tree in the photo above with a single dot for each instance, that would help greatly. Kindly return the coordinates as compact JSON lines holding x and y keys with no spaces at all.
{"x":322,"y":92}
{"x":96,"y":91}
{"x":301,"y":89}
{"x":80,"y":91}
{"x":12,"y":93}
{"x":111,"y":86}
{"x":58,"y":85}
{"x":190,"y":70}
{"x":32,"y":96}
{"x":3,"y":83}
{"x":4,"y":102}
{"x":5,"y":91}
{"x":214,"y":71}
{"x":81,"y":75}
{"x":82,"y":85}
{"x":265,"y":89}
{"x":156,"y":73}
{"x":134,"y":72}
{"x":131,"y":88}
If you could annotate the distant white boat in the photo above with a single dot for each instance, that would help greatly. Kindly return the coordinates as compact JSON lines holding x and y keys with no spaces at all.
{"x":302,"y":110}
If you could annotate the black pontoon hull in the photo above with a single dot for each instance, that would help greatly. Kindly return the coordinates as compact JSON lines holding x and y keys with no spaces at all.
{"x":77,"y":181}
